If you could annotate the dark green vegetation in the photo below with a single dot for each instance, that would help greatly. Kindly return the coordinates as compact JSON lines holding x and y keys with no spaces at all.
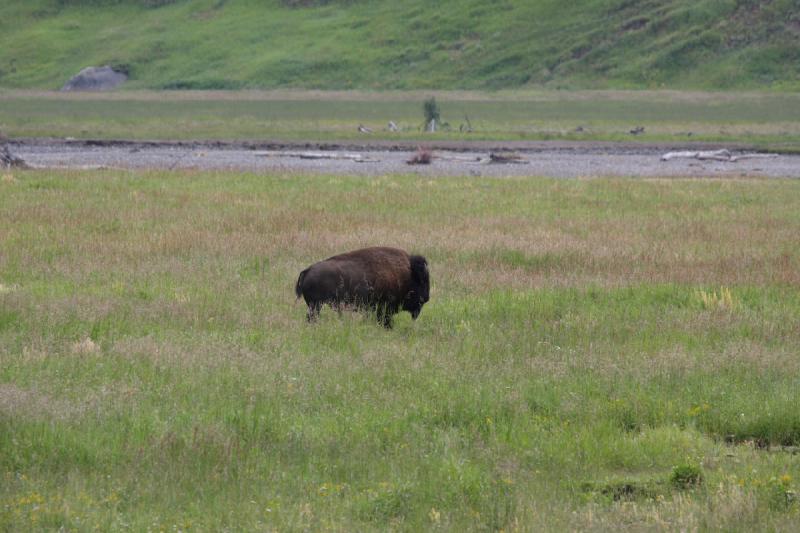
{"x":596,"y":354}
{"x":383,"y":44}
{"x":769,"y":120}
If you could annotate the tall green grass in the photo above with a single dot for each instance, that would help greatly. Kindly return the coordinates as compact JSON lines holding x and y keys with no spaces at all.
{"x":568,"y":372}
{"x":769,"y":120}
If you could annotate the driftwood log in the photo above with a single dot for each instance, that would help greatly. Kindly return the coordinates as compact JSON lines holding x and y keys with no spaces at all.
{"x":421,"y":157}
{"x":358,"y":158}
{"x":462,"y":158}
{"x":9,"y":160}
{"x":507,"y":158}
{"x":714,"y":155}
{"x":494,"y":158}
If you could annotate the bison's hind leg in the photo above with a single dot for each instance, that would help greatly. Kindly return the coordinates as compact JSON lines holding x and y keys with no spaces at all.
{"x":313,"y":311}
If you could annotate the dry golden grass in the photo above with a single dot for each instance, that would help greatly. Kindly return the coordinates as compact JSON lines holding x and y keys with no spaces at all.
{"x":730,"y":237}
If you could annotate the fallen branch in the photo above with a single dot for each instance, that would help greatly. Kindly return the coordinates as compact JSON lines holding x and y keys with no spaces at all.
{"x":462,"y":158}
{"x":752,"y":156}
{"x":421,"y":157}
{"x":9,"y":160}
{"x":714,"y":155}
{"x":491,"y":159}
{"x":506,"y":159}
{"x":358,"y":158}
{"x":38,"y":166}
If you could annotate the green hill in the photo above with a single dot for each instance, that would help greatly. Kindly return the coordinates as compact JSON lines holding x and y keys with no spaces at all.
{"x":385,"y":44}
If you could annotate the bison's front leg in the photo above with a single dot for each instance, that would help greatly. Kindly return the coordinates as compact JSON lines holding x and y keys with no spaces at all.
{"x":385,"y":314}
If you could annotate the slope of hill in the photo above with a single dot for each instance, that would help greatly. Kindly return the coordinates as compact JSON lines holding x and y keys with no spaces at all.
{"x":381,"y":44}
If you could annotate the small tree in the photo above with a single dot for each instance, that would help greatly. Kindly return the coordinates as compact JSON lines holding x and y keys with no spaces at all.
{"x":432,"y":116}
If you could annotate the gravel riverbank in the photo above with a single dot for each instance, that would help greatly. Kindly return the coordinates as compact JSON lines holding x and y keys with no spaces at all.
{"x":552,"y":159}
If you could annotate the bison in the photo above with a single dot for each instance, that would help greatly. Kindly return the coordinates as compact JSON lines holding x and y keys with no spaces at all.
{"x":381,"y":280}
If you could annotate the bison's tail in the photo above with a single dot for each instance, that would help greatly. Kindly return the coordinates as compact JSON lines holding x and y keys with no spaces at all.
{"x":298,"y":288}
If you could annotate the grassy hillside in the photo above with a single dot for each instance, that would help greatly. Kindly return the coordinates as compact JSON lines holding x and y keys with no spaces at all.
{"x":380,"y":44}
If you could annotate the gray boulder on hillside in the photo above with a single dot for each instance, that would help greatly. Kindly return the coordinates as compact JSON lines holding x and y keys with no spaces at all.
{"x":95,"y":79}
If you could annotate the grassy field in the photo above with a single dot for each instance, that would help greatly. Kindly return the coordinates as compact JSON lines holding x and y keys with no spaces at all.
{"x":596,"y":354}
{"x":382,"y":44}
{"x":769,"y":120}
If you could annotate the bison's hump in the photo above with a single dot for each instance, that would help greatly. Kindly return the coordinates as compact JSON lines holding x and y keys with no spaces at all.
{"x":372,"y":254}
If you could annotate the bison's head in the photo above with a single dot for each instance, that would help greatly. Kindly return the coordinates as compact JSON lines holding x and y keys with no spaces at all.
{"x":420,"y":286}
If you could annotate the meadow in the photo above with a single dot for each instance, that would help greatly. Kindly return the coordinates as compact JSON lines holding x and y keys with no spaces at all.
{"x":764,"y":120}
{"x":597,"y":354}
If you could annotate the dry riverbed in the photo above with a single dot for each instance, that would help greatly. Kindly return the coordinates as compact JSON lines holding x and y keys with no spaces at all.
{"x":555,"y":159}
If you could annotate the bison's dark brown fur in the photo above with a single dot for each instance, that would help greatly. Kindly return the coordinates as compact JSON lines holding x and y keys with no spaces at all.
{"x":383,"y":280}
